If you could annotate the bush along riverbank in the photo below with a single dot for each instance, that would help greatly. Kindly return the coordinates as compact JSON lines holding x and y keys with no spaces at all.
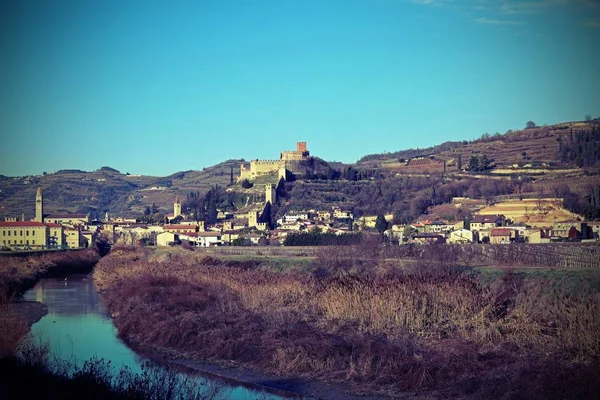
{"x":431,"y":329}
{"x":32,"y":373}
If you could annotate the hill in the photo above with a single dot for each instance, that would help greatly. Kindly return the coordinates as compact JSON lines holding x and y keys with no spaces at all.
{"x":106,"y":190}
{"x":531,"y":163}
{"x":532,"y":151}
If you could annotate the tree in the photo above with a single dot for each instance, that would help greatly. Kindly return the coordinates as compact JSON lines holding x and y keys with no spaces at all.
{"x":246,"y":184}
{"x":147,"y":211}
{"x":231,"y":176}
{"x":588,"y":118}
{"x":530,"y":125}
{"x":473,"y":164}
{"x":380,"y":223}
{"x":459,"y":161}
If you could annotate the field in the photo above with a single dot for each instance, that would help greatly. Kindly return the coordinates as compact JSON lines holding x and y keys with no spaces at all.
{"x":417,"y":327}
{"x":534,"y":212}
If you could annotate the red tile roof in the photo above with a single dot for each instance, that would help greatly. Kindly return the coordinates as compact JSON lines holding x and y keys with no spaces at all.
{"x":19,"y":224}
{"x":202,"y":234}
{"x":500,"y":232}
{"x":52,"y":225}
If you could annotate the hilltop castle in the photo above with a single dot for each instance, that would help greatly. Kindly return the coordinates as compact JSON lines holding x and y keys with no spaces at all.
{"x":265,"y":167}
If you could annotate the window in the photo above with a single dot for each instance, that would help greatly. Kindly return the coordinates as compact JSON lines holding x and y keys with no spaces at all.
{"x":3,"y":233}
{"x":32,"y":233}
{"x":21,"y":233}
{"x":27,"y":242}
{"x":20,"y":241}
{"x":27,"y":233}
{"x":33,"y":242}
{"x":9,"y":234}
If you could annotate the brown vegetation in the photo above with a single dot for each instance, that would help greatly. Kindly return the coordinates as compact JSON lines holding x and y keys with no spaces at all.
{"x":428,"y":329}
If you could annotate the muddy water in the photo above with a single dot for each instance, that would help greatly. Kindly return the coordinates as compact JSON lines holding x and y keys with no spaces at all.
{"x":78,"y":327}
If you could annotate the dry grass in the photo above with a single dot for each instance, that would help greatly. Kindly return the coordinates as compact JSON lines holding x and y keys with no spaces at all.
{"x":382,"y":330}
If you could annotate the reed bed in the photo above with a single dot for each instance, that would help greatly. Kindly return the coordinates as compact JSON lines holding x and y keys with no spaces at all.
{"x":429,"y":329}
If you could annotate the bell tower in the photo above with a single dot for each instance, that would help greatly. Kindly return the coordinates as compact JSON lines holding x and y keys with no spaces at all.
{"x":39,"y":206}
{"x":177,"y":207}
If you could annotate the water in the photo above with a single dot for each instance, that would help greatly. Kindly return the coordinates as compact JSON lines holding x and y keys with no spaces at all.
{"x":78,"y":327}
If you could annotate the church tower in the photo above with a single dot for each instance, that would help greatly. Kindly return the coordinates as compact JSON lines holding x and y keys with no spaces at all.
{"x":177,"y":207}
{"x":39,"y":206}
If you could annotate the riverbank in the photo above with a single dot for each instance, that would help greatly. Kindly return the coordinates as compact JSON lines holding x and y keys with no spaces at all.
{"x":19,"y":272}
{"x":373,"y":329}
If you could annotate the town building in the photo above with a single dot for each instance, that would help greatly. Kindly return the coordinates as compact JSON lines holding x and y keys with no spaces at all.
{"x":569,"y":229}
{"x":24,"y":235}
{"x":483,"y":222}
{"x":500,"y":235}
{"x":460,"y":236}
{"x":202,"y":239}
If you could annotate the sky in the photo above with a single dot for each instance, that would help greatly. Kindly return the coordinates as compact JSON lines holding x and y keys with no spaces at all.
{"x":154,"y":88}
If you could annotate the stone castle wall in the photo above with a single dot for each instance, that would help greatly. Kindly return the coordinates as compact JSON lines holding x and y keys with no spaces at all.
{"x":264,"y":167}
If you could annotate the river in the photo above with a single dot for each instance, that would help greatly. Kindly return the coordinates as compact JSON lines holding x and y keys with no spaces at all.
{"x":78,"y":327}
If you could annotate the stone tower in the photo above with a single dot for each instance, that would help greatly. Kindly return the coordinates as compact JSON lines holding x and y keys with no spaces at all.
{"x":177,"y":207}
{"x":39,"y":206}
{"x":270,"y":194}
{"x":282,"y":173}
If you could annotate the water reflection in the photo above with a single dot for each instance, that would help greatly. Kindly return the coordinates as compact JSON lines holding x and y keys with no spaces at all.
{"x":78,"y":327}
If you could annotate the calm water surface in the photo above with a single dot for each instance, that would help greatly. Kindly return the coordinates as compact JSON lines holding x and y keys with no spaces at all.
{"x":78,"y":327}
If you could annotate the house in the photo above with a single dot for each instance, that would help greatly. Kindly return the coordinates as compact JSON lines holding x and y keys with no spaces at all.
{"x":437,"y":227}
{"x":481,"y":222}
{"x":56,"y":236}
{"x":501,"y":235}
{"x":535,"y":236}
{"x":166,"y":239}
{"x":419,"y":227}
{"x":324,"y":215}
{"x":341,"y":214}
{"x":294,"y":217}
{"x":255,"y":238}
{"x":571,"y":229}
{"x":202,"y":239}
{"x":181,"y":228}
{"x":593,"y":230}
{"x":428,"y":238}
{"x":461,"y":236}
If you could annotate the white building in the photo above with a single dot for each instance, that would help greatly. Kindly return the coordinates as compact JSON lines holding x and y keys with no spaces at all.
{"x":202,"y":239}
{"x":165,"y":238}
{"x":461,"y":236}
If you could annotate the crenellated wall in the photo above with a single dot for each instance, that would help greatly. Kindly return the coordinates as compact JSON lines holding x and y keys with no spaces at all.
{"x":264,"y":167}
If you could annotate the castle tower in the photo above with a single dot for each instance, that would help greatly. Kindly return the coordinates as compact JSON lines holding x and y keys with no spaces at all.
{"x":282,"y":173}
{"x":270,"y":194}
{"x":39,"y":206}
{"x":301,"y":147}
{"x":176,"y":207}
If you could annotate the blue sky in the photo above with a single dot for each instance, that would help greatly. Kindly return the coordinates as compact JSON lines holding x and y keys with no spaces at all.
{"x":158,"y":87}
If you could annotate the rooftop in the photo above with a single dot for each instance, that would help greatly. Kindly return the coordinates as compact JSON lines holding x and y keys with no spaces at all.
{"x":18,"y":224}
